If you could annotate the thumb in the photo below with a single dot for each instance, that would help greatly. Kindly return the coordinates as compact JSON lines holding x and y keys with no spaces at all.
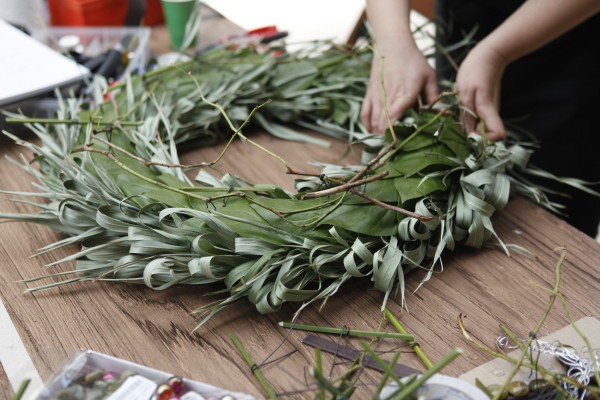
{"x":488,"y":114}
{"x":431,"y":89}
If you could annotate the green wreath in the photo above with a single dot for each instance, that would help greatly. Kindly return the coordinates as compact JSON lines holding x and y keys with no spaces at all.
{"x":111,"y":175}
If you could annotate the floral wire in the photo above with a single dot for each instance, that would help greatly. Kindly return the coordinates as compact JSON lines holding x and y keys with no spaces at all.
{"x":226,"y":199}
{"x":337,"y":348}
{"x":285,"y":337}
{"x":209,"y":201}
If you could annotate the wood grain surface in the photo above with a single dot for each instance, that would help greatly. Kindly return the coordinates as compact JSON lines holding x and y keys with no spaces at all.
{"x":6,"y":390}
{"x":155,"y":328}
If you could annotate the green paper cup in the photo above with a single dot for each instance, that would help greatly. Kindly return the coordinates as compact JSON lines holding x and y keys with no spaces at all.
{"x":182,"y":17}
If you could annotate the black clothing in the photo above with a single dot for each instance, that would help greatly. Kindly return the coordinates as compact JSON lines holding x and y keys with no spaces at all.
{"x":552,"y":93}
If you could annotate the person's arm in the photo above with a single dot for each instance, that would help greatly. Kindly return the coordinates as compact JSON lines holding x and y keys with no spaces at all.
{"x":397,"y":62}
{"x":533,"y":25}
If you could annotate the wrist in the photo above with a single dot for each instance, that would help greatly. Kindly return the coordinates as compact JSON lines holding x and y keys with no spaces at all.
{"x":399,"y":45}
{"x":490,"y":54}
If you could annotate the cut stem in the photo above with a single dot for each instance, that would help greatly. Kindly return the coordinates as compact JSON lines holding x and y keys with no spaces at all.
{"x":414,"y":345}
{"x":345,"y":331}
{"x":254,"y":368}
{"x":22,"y":388}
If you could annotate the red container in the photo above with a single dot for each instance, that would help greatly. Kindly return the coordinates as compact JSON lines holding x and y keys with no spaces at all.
{"x":99,"y":12}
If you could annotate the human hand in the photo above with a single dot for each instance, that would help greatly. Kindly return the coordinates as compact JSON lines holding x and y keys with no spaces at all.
{"x":406,"y":74}
{"x":478,"y":85}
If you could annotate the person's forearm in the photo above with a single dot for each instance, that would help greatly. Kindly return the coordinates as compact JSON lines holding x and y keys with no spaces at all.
{"x":389,"y":20}
{"x":536,"y":23}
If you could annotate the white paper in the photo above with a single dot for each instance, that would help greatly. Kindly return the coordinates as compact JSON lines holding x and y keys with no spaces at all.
{"x":192,"y":396}
{"x":304,"y":20}
{"x":14,"y":357}
{"x":29,"y":68}
{"x":134,"y":388}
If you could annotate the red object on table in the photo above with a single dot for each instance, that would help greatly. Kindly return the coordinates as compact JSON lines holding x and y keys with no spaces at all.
{"x":99,"y":12}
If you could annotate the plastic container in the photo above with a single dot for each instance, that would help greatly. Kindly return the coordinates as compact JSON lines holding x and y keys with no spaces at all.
{"x":90,"y":362}
{"x":99,"y":12}
{"x":93,"y":41}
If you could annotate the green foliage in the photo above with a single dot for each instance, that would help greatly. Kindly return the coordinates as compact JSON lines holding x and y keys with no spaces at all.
{"x":139,"y":222}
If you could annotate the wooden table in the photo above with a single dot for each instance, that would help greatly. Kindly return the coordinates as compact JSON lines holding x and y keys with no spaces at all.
{"x":155,"y":328}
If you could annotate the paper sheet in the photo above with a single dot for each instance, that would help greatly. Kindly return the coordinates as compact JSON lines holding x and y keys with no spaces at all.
{"x":29,"y":68}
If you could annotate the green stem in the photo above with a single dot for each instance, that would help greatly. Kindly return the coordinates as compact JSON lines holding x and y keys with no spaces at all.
{"x":22,"y":389}
{"x":236,"y":131}
{"x":407,"y":390}
{"x":71,"y":122}
{"x":255,"y":370}
{"x":389,"y":373}
{"x":344,"y":331}
{"x":318,"y":371}
{"x":530,"y":357}
{"x":538,"y":326}
{"x":511,"y":360}
{"x":465,"y":333}
{"x":388,"y":367}
{"x":414,"y":345}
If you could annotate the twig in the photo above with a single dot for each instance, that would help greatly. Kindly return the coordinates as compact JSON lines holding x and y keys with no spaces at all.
{"x":237,"y":132}
{"x":538,"y":326}
{"x":336,"y":203}
{"x":380,"y":203}
{"x":554,"y":293}
{"x":394,"y":141}
{"x":461,"y":324}
{"x":391,"y":207}
{"x":344,"y":187}
{"x":440,"y":97}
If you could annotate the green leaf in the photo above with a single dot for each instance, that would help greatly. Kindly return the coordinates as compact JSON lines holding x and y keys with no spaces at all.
{"x":411,"y":163}
{"x":417,"y":187}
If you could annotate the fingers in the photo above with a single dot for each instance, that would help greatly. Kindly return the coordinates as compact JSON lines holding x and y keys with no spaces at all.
{"x":431,"y":89}
{"x":396,"y":109}
{"x":374,"y":116}
{"x":488,"y":113}
{"x":479,"y":107}
{"x":404,"y":78}
{"x":365,"y":113}
{"x":468,"y":113}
